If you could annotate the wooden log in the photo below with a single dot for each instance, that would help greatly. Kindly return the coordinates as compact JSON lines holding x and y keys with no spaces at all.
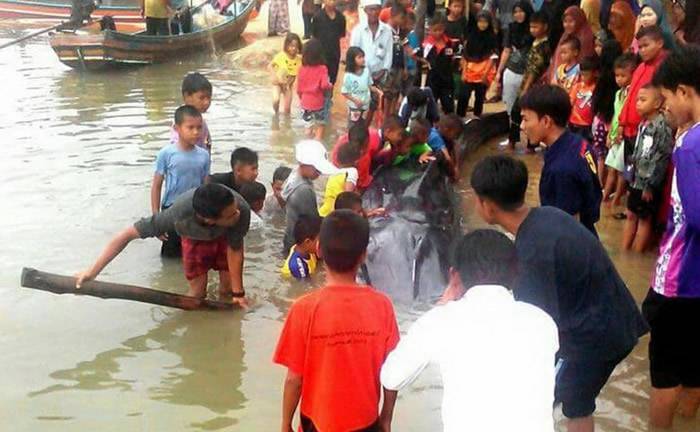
{"x":57,"y":284}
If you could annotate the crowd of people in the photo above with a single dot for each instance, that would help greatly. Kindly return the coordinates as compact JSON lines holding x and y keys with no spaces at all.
{"x":608,"y":90}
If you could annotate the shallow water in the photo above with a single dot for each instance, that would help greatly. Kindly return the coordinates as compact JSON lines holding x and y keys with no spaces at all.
{"x":79,"y":152}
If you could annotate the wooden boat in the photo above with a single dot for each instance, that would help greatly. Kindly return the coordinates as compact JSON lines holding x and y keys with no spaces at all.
{"x":93,"y":50}
{"x":59,"y":10}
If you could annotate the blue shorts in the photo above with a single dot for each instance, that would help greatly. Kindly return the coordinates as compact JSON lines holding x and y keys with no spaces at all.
{"x":578,"y":384}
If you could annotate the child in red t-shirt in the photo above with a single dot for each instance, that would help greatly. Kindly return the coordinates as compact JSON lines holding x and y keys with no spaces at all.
{"x":336,"y":339}
{"x":312,"y":85}
{"x":652,"y":53}
{"x":369,"y":142}
{"x":581,"y":95}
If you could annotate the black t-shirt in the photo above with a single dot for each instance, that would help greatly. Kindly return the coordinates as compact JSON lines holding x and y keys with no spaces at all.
{"x":457,"y":31}
{"x":329,"y":32}
{"x":440,"y":72}
{"x":565,"y":271}
{"x":225,"y":179}
{"x":397,"y":55}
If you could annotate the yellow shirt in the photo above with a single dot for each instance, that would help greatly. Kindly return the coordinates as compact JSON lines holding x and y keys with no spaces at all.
{"x":287,"y":64}
{"x":334,"y":187}
{"x":156,"y":8}
{"x":298,"y":266}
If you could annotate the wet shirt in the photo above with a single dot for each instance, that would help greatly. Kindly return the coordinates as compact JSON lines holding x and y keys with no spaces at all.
{"x":569,"y":179}
{"x":225,"y":179}
{"x":182,"y":170}
{"x":290,"y":65}
{"x":565,"y":270}
{"x":493,"y":331}
{"x":181,"y":218}
{"x":298,"y":265}
{"x":677,"y":273}
{"x":337,"y":338}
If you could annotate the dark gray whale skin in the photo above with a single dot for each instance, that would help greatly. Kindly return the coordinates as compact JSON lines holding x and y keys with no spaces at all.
{"x":409,"y":250}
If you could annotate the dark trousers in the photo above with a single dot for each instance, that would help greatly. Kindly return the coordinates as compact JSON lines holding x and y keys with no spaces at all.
{"x":157,"y":26}
{"x":465,"y":93}
{"x":444,"y":93}
{"x":308,"y":426}
{"x":307,"y":25}
{"x":515,"y":119}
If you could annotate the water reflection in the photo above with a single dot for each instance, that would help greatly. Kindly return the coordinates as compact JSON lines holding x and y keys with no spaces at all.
{"x":205,"y":370}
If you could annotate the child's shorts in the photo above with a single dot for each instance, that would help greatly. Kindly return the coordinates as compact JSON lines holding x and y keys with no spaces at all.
{"x":314,"y":118}
{"x":639,"y":207}
{"x":674,"y":355}
{"x":199,"y":256}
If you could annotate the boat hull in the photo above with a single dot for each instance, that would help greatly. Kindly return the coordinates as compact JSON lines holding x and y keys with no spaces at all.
{"x":110,"y":49}
{"x":61,"y":12}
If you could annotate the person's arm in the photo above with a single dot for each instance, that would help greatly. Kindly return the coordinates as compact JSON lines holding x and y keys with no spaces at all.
{"x":234,"y":258}
{"x":355,"y":101}
{"x":290,"y":399}
{"x":113,"y":248}
{"x":388,"y":49}
{"x":156,"y":189}
{"x":387,"y":413}
{"x":505,"y":55}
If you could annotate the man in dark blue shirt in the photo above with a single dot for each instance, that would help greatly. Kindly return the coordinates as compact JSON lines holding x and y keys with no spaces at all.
{"x":565,"y":271}
{"x":569,"y":179}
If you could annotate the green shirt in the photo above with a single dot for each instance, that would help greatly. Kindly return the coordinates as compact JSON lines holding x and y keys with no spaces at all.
{"x":416,"y":151}
{"x":620,"y":98}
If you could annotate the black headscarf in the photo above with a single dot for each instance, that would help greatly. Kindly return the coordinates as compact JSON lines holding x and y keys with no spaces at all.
{"x":519,"y":33}
{"x":481,"y":44}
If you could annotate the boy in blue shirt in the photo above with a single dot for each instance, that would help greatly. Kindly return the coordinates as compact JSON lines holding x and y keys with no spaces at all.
{"x":569,"y":179}
{"x":182,"y":166}
{"x":301,"y":261}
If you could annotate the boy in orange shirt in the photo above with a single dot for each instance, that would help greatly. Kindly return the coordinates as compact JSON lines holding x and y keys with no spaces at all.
{"x":581,"y":96}
{"x":336,"y":339}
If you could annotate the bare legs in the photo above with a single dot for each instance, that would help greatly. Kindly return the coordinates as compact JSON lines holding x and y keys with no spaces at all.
{"x":583,"y":424}
{"x":198,"y":285}
{"x":666,"y":402}
{"x":637,"y":233}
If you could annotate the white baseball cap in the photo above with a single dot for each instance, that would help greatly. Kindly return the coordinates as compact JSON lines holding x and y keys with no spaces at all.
{"x":370,"y":3}
{"x":312,"y":152}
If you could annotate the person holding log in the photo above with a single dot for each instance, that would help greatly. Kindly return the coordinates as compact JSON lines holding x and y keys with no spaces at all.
{"x":212,"y":221}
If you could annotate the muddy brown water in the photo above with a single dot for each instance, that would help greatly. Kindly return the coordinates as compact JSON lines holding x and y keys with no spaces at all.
{"x":77,"y":164}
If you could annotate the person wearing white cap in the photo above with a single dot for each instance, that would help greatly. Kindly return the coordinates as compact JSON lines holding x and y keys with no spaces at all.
{"x":298,"y":191}
{"x":376,"y":40}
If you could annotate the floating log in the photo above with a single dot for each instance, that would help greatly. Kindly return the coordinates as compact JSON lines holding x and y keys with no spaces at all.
{"x":58,"y":284}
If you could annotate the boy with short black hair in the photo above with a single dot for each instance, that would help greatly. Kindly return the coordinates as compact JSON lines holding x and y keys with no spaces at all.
{"x":212,"y":221}
{"x":439,"y":52}
{"x":567,"y":73}
{"x":298,"y":191}
{"x":418,"y":103}
{"x":569,"y":178}
{"x":565,"y":271}
{"x":182,"y":166}
{"x":581,"y":95}
{"x":672,"y":306}
{"x":647,"y":171}
{"x":350,"y":201}
{"x":244,"y":169}
{"x":335,"y":340}
{"x":478,"y":309}
{"x":196,"y":92}
{"x":652,"y":54}
{"x":301,"y":261}
{"x":538,"y":57}
{"x":274,"y":203}
{"x":254,"y":194}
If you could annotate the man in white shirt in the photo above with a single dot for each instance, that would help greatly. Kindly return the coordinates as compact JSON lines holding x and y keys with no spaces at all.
{"x":376,"y":39}
{"x":496,"y":355}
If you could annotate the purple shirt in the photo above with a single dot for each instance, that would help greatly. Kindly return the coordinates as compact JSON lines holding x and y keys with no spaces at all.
{"x":203,"y":142}
{"x":677,"y":272}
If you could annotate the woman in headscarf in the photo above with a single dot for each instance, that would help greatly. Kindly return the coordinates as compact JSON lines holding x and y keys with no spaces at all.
{"x":622,"y":23}
{"x":654,"y":13}
{"x":517,"y":41}
{"x":606,"y":5}
{"x":591,"y":8}
{"x":575,"y":24}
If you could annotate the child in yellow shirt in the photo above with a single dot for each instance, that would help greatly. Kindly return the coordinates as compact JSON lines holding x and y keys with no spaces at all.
{"x":284,"y":67}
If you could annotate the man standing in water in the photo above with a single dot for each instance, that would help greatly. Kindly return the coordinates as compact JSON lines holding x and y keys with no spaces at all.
{"x":212,"y":221}
{"x":564,"y":270}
